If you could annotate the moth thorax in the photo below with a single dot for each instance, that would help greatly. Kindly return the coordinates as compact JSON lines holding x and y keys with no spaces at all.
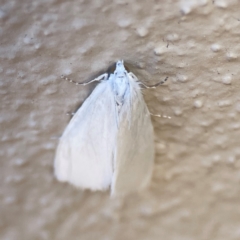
{"x":120,"y":86}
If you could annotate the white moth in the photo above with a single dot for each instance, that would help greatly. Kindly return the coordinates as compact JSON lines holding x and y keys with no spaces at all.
{"x":109,"y":142}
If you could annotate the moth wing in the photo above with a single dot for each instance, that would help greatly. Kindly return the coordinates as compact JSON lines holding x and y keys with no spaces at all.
{"x":84,"y":156}
{"x":134,"y":153}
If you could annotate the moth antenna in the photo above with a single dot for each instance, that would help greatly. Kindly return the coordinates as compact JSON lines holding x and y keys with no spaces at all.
{"x":146,"y":86}
{"x":155,"y":85}
{"x":102,"y":77}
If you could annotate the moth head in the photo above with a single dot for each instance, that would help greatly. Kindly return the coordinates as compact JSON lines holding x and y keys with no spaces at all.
{"x":120,"y":69}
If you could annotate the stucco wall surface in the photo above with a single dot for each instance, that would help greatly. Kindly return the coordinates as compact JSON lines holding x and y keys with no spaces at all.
{"x":195,"y":191}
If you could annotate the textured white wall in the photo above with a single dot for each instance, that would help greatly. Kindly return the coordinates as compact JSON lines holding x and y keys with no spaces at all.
{"x":195,"y":190}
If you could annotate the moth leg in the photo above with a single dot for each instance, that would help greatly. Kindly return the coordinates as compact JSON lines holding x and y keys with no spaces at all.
{"x":146,"y":86}
{"x":70,"y":113}
{"x":102,"y":77}
{"x":159,"y":115}
{"x":133,"y":76}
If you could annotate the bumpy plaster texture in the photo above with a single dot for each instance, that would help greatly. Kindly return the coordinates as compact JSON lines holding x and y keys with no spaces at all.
{"x":195,"y":189}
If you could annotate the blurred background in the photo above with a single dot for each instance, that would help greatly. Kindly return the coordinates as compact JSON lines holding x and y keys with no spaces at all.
{"x":195,"y":189}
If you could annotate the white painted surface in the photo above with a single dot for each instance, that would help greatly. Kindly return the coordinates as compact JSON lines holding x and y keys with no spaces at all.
{"x":195,"y":189}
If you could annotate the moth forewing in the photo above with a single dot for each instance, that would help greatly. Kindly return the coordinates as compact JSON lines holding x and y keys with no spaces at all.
{"x":134,"y":156}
